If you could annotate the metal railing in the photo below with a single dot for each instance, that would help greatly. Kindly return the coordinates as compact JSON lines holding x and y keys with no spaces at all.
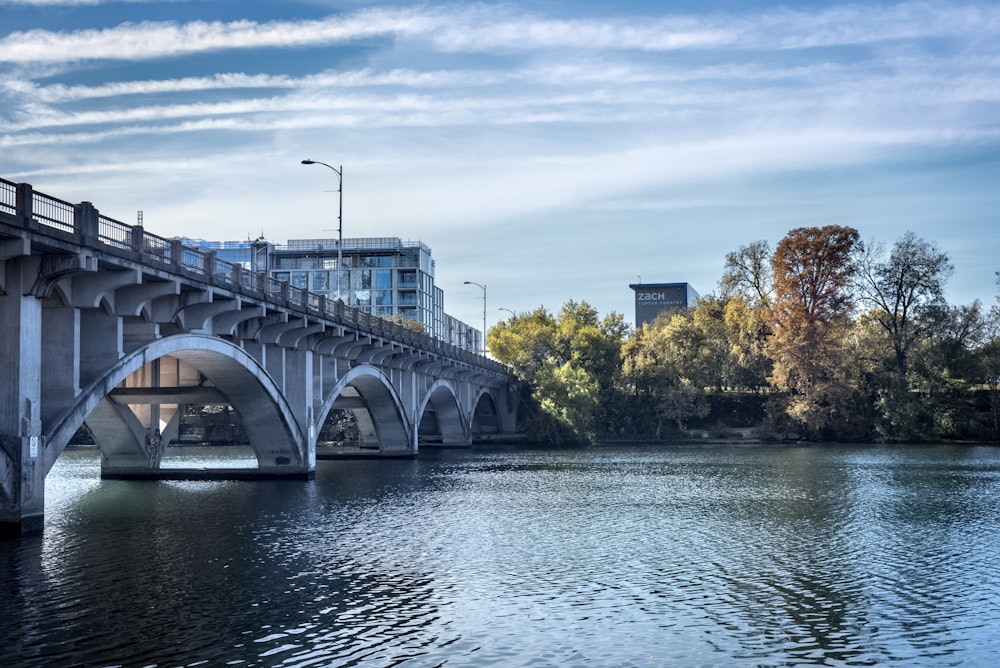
{"x":8,"y":197}
{"x":114,"y":234}
{"x":54,"y":213}
{"x":83,"y":224}
{"x":157,"y":250}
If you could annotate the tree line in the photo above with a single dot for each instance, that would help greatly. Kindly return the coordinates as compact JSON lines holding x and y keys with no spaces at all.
{"x":826,"y":337}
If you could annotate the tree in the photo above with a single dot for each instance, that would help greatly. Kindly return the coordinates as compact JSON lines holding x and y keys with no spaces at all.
{"x":590,"y":342}
{"x":900,"y":290}
{"x":748,"y":332}
{"x":570,"y":363}
{"x":989,"y":356}
{"x":812,"y":270}
{"x":946,"y":368}
{"x":747,"y":274}
{"x":524,"y":342}
{"x":989,"y":368}
{"x":697,"y":344}
{"x":567,"y":397}
{"x":656,"y":363}
{"x":747,"y":290}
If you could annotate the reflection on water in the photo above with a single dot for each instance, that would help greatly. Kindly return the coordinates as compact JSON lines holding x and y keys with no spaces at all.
{"x":615,"y":556}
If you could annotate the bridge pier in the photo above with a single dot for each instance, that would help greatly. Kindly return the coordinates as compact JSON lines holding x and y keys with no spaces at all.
{"x":22,"y":476}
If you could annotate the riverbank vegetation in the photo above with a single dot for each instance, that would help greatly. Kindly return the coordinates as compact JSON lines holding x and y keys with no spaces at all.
{"x":827,"y":337}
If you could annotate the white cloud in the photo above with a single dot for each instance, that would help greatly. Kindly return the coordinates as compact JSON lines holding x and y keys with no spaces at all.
{"x":486,"y":28}
{"x":148,"y":40}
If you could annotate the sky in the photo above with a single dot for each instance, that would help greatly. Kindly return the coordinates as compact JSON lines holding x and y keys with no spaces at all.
{"x":547,"y":149}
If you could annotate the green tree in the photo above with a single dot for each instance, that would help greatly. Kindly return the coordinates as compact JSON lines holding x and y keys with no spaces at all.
{"x":590,"y":342}
{"x":658,"y":363}
{"x":868,"y":359}
{"x":989,"y":356}
{"x":747,"y":289}
{"x":567,"y":397}
{"x":748,"y":332}
{"x":945,"y":369}
{"x":570,"y":363}
{"x":989,"y":370}
{"x":524,"y":342}
{"x":697,"y":344}
{"x":900,"y":289}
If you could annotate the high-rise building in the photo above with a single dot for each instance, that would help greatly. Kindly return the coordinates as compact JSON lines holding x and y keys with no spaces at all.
{"x":384,"y":276}
{"x":652,"y":299}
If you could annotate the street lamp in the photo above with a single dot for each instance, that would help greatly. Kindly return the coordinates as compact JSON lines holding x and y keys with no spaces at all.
{"x":484,"y":311}
{"x":340,"y":216}
{"x":508,"y":311}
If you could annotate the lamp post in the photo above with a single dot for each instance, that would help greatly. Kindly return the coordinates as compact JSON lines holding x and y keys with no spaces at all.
{"x":484,"y":311}
{"x":514,"y":315}
{"x":340,"y":216}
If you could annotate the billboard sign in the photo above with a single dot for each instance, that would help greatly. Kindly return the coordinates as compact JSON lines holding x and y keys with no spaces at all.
{"x":652,"y":299}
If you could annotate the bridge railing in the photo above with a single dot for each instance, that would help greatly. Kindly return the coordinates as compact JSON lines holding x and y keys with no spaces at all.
{"x":83,"y":224}
{"x":114,"y":234}
{"x":8,"y":197}
{"x":55,"y":214}
{"x":157,"y":250}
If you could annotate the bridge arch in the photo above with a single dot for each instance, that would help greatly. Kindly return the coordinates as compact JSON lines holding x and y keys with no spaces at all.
{"x":449,"y":418}
{"x":484,"y":414}
{"x":367,"y":392}
{"x":267,"y":418}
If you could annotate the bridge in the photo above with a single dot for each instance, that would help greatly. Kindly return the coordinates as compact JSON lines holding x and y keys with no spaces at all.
{"x":104,"y":323}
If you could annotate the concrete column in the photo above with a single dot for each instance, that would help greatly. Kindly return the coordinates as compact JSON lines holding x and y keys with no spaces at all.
{"x":120,"y":435}
{"x":148,"y":415}
{"x":25,"y":205}
{"x":299,"y":391}
{"x":153,"y":437}
{"x":61,"y":361}
{"x":317,"y":377}
{"x":87,"y":222}
{"x":137,"y":333}
{"x":101,"y":343}
{"x":255,"y":350}
{"x":173,"y":375}
{"x":407,"y":384}
{"x":22,"y":481}
{"x":274,"y":363}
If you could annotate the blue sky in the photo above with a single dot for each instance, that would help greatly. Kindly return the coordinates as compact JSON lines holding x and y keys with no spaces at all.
{"x":548,"y":149}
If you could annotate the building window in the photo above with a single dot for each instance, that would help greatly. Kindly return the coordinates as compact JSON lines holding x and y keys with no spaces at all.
{"x":408,"y":280}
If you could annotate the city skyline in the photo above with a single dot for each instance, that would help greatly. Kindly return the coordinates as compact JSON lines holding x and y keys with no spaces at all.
{"x":548,"y":150}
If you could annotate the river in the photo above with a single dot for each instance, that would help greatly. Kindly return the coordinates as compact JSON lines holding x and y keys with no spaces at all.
{"x":606,"y":556}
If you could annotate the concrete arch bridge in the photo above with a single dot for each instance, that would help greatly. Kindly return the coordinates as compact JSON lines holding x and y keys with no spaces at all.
{"x":104,"y":323}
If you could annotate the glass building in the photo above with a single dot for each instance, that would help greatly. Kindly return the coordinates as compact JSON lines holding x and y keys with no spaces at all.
{"x":384,"y":276}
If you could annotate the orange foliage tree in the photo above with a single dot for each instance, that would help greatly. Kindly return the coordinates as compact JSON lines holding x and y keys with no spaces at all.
{"x":812,"y":269}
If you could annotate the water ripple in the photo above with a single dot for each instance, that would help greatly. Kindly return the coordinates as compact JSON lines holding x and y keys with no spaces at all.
{"x":625,"y":557}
